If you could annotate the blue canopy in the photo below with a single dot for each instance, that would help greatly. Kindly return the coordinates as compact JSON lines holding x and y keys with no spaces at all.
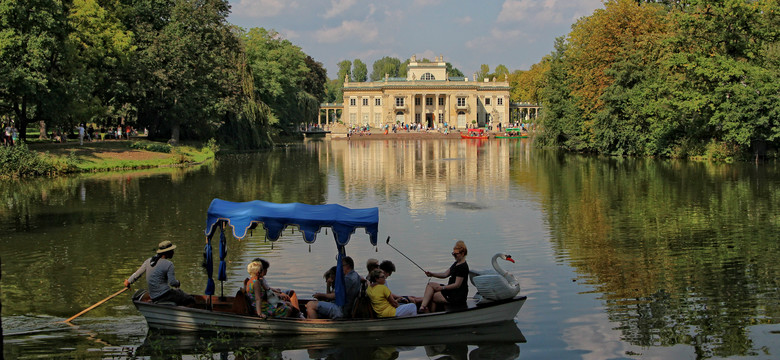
{"x":309,"y":219}
{"x":275,"y":217}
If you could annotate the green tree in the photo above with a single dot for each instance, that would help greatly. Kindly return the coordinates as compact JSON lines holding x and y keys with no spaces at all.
{"x":386,"y":65}
{"x":345,"y":70}
{"x":33,"y":57}
{"x":501,"y":72}
{"x":453,"y":71}
{"x":483,"y":72}
{"x":359,"y":71}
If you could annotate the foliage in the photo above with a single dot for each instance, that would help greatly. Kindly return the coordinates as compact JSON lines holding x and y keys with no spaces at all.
{"x":19,"y":161}
{"x":152,"y":146}
{"x":389,"y":66}
{"x":175,"y":67}
{"x":674,"y":79}
{"x":359,"y":71}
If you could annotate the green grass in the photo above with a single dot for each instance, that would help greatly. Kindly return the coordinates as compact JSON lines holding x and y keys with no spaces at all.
{"x":47,"y":159}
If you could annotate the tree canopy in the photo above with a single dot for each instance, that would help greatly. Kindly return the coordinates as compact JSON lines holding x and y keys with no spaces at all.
{"x":676,"y":79}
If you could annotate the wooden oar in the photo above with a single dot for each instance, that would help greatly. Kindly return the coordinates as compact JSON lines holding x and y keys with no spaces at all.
{"x":96,"y":305}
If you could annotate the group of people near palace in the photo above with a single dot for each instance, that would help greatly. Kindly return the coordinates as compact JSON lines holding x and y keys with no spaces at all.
{"x":266,"y":301}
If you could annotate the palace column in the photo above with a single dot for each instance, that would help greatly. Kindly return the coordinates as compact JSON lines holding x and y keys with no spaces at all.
{"x":412,"y":108}
{"x":436,"y":118}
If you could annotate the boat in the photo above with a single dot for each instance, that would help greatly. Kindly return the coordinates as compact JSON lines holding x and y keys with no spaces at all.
{"x":513,"y":133}
{"x":231,"y":313}
{"x":479,"y":134}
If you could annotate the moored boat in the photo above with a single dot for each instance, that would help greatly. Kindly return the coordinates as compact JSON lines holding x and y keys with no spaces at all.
{"x":513,"y":133}
{"x":479,"y":134}
{"x":231,"y":313}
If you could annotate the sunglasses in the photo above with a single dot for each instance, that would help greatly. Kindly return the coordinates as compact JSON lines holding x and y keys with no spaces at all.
{"x":456,"y":253}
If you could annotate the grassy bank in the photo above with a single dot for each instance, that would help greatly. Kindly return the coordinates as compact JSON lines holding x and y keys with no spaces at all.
{"x":51,"y":159}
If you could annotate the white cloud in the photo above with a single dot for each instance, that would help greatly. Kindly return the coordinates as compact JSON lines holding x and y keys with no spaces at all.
{"x":546,"y":11}
{"x":338,"y":7}
{"x":498,"y":39}
{"x":348,"y":30}
{"x":260,"y":8}
{"x":464,"y":20}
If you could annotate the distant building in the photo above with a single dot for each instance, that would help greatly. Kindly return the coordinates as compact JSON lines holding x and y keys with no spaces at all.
{"x":427,"y":95}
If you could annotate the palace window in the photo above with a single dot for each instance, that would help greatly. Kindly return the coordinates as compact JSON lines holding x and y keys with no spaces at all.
{"x":500,"y":101}
{"x":429,"y":101}
{"x":378,"y":102}
{"x":461,"y":101}
{"x":416,"y":101}
{"x":427,"y":76}
{"x":487,"y":101}
{"x":352,"y":102}
{"x":399,"y":101}
{"x":441,"y":101}
{"x":416,"y":118}
{"x":365,"y":102}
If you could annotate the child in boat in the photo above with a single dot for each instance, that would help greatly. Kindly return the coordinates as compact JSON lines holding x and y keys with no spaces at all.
{"x":382,"y":299}
{"x":264,"y":301}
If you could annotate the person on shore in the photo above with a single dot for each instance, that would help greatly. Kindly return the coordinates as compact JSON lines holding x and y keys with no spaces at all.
{"x":161,"y":277}
{"x":81,"y":134}
{"x":456,"y":290}
{"x":323,"y":308}
{"x":382,"y":300}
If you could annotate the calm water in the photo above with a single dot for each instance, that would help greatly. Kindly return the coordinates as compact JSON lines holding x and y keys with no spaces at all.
{"x":619,"y":258}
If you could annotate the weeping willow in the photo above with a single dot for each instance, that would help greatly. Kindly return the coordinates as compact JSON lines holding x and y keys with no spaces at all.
{"x":248,"y":128}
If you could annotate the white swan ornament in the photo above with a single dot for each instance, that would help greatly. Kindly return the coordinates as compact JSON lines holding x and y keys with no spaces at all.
{"x":493,"y":285}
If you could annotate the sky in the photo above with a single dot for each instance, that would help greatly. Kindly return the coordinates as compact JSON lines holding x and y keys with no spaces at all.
{"x":515,"y":33}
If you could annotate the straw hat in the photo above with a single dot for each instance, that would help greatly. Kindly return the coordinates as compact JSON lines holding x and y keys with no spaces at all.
{"x":165,"y":246}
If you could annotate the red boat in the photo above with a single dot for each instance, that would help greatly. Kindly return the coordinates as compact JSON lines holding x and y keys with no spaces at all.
{"x":475,"y":134}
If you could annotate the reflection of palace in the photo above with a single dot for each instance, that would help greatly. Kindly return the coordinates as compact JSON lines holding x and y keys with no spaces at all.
{"x":427,"y":96}
{"x":426,"y":171}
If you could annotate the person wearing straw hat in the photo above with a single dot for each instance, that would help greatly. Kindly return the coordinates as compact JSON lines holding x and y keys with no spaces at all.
{"x":160,"y":277}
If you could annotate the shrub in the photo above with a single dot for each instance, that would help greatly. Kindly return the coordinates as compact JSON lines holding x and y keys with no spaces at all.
{"x":19,"y":161}
{"x":151,"y":146}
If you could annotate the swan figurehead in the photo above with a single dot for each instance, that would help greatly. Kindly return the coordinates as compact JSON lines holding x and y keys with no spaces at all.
{"x":497,"y":283}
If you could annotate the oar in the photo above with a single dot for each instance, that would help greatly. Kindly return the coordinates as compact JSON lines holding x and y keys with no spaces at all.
{"x":96,"y":305}
{"x":399,"y":251}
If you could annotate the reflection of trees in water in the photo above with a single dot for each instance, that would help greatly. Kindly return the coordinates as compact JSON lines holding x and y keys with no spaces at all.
{"x":684,"y":253}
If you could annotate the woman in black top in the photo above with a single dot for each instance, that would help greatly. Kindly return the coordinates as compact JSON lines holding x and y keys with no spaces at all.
{"x":457,"y":289}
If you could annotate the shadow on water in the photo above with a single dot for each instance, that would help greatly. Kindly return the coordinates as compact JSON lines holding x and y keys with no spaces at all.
{"x":498,"y":341}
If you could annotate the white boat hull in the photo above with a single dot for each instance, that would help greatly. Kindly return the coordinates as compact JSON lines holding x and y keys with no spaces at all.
{"x":179,"y":318}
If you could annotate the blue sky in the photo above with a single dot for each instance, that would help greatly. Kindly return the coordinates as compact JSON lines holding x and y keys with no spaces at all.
{"x":516,"y":33}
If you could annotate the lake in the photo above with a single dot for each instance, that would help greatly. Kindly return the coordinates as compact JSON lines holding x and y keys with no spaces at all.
{"x":619,"y":258}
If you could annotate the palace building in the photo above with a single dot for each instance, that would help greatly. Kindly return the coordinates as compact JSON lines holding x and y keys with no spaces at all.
{"x":428,"y":95}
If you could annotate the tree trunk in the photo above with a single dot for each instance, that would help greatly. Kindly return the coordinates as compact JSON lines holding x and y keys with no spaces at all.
{"x":21,"y":117}
{"x":175,"y":129}
{"x":42,"y":129}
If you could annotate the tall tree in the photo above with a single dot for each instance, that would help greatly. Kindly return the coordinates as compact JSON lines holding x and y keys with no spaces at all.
{"x":501,"y":72}
{"x":33,"y":60}
{"x":483,"y":72}
{"x":359,"y":71}
{"x":453,"y":71}
{"x":345,"y":70}
{"x":385,"y":66}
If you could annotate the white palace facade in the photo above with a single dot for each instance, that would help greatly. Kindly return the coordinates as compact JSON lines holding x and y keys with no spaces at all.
{"x":428,"y":95}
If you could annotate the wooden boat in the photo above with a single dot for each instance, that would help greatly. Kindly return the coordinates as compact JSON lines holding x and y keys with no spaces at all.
{"x":513,"y":133}
{"x":479,"y":134}
{"x":231,"y":314}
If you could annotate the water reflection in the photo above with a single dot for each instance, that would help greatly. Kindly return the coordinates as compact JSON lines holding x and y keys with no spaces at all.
{"x":498,"y":341}
{"x":617,"y":256}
